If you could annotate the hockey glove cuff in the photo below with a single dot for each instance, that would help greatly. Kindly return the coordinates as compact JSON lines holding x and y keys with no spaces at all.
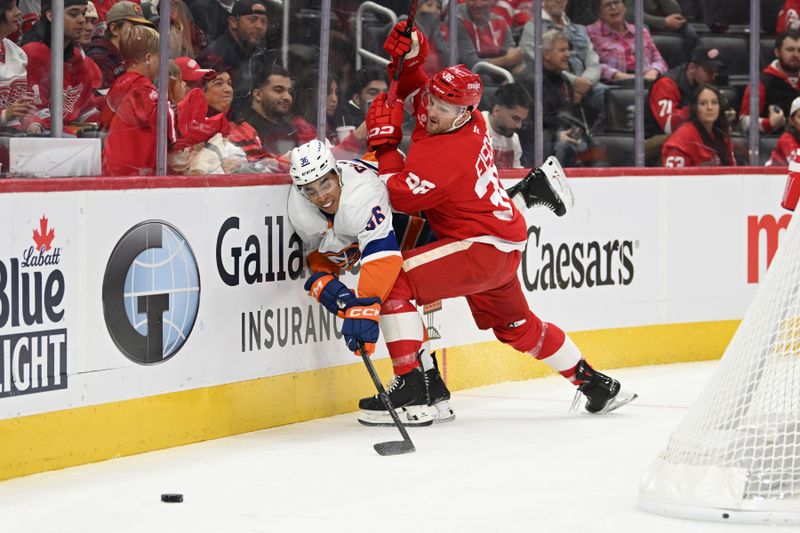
{"x":328,"y":290}
{"x":384,"y":123}
{"x":360,"y":326}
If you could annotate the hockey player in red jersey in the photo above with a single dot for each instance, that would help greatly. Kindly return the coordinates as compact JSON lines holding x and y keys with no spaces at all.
{"x":449,"y":174}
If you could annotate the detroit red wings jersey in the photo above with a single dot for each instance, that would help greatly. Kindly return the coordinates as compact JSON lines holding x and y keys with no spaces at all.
{"x":80,"y":75}
{"x":13,"y":73}
{"x":453,"y":179}
{"x":685,"y":148}
{"x":786,"y":150}
{"x":361,"y":230}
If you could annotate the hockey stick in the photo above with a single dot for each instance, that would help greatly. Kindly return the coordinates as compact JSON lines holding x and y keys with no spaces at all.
{"x":392,"y":447}
{"x":391,"y":98}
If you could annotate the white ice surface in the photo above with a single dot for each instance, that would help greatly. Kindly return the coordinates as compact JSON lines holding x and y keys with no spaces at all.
{"x":513,"y":460}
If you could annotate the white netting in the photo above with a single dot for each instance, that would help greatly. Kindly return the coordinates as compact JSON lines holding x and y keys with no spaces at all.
{"x":738,"y":449}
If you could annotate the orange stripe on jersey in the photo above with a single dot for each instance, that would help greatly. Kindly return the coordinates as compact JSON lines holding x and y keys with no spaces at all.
{"x":317,"y":262}
{"x":377,"y":277}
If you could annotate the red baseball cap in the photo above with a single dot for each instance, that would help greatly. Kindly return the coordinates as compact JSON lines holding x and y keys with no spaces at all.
{"x":191,"y":71}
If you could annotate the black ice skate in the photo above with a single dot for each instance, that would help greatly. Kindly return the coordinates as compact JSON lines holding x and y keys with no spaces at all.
{"x":603,"y":393}
{"x":438,"y":395}
{"x":544,"y":186}
{"x":409,"y":396}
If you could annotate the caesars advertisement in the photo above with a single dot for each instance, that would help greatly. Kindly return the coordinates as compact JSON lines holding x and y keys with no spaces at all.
{"x":112,"y":295}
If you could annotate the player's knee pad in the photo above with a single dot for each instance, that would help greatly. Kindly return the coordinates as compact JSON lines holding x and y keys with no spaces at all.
{"x":522,"y":335}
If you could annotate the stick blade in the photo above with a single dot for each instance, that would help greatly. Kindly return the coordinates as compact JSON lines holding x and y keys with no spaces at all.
{"x":394,"y":447}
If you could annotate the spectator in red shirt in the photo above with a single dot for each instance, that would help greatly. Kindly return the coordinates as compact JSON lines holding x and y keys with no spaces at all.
{"x":516,"y":13}
{"x":15,"y":102}
{"x":129,"y":113}
{"x":778,"y":86}
{"x":788,"y":146}
{"x":79,"y":70}
{"x":104,"y":50}
{"x":704,"y":139}
{"x":483,"y":36}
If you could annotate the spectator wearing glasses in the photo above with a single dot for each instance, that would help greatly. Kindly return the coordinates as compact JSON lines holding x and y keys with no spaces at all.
{"x":705,"y":138}
{"x":16,"y":103}
{"x":614,"y":40}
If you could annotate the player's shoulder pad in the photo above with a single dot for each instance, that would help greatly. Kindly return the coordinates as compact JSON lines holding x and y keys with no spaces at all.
{"x":360,"y":195}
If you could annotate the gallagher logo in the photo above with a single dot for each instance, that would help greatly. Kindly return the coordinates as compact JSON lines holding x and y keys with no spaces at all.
{"x":33,"y":359}
{"x":151,"y":292}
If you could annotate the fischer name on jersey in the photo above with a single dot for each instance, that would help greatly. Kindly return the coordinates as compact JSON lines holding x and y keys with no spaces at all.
{"x":361,"y":230}
{"x":453,"y":179}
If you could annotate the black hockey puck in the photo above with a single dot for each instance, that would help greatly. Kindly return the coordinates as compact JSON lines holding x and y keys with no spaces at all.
{"x":172,"y":498}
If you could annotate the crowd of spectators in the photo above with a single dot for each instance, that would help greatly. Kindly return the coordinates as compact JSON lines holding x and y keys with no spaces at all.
{"x":239,"y":101}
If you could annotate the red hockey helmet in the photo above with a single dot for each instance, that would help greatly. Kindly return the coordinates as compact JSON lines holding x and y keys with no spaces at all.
{"x":456,"y":85}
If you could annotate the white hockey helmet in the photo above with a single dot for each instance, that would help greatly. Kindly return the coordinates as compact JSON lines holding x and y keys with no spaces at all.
{"x":310,"y":162}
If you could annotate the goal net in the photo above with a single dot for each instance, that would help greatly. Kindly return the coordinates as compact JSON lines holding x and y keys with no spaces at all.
{"x":736,"y":455}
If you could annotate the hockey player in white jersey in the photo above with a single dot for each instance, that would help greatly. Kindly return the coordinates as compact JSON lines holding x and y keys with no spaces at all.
{"x":341,"y":211}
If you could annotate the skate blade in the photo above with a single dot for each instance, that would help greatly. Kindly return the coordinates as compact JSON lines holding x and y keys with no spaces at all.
{"x":558,"y":183}
{"x":442,"y":412}
{"x":623,"y":397}
{"x":410,"y":416}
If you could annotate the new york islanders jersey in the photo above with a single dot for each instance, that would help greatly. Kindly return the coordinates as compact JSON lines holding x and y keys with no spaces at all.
{"x":361,"y":230}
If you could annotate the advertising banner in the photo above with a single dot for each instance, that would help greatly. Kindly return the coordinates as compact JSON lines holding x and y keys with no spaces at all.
{"x":109,"y":295}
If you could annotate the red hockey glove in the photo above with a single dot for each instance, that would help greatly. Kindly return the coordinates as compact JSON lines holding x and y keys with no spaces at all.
{"x":360,"y":326}
{"x":397,"y":45}
{"x":384,"y":123}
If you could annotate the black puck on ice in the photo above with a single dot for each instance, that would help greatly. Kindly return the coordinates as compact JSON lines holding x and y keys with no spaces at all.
{"x":172,"y":498}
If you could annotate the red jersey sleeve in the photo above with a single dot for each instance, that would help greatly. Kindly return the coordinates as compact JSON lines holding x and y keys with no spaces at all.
{"x":420,"y":184}
{"x":665,"y":101}
{"x":763,"y":121}
{"x":39,"y":82}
